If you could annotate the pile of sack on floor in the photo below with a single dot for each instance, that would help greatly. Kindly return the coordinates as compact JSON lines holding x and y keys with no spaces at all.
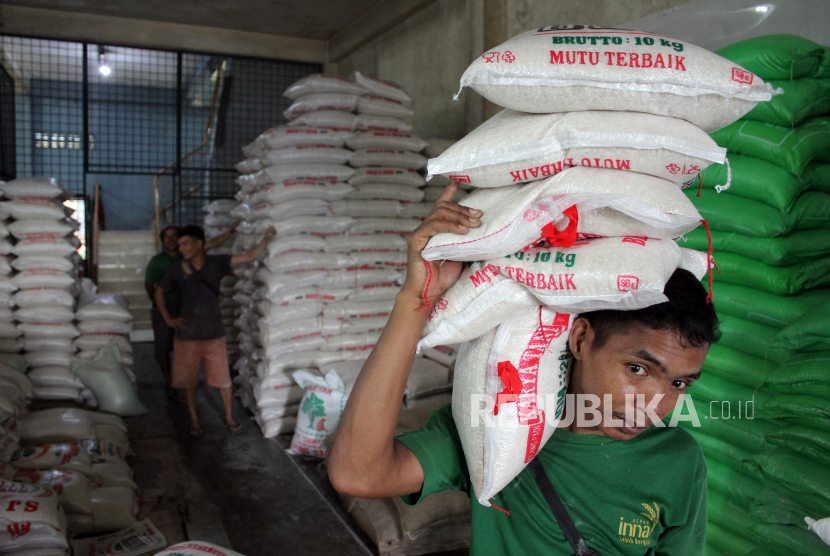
{"x":764,"y":395}
{"x":343,"y":184}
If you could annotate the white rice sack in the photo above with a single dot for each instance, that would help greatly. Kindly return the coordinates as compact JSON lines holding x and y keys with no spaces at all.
{"x":415,"y":210}
{"x":294,"y":189}
{"x":427,"y":378}
{"x":31,"y":187}
{"x":370,"y":324}
{"x":302,"y":260}
{"x":400,"y":226}
{"x":306,"y":359}
{"x":387,"y":174}
{"x":513,"y":147}
{"x":365,"y":208}
{"x":106,"y":377}
{"x":598,"y":203}
{"x":217,"y":220}
{"x":113,"y":509}
{"x":10,"y":345}
{"x":5,"y":246}
{"x":199,"y":548}
{"x":322,"y":83}
{"x":55,"y":426}
{"x":48,"y":330}
{"x":55,"y":313}
{"x":37,"y":227}
{"x":392,"y":191}
{"x":9,"y":330}
{"x":605,"y":273}
{"x":17,"y":378}
{"x":566,"y":68}
{"x":352,"y":342}
{"x":433,"y":192}
{"x":249,"y":166}
{"x":274,"y":350}
{"x":34,"y":207}
{"x":436,"y":146}
{"x":33,"y":519}
{"x":375,"y":292}
{"x":61,"y":264}
{"x":351,"y":243}
{"x":359,"y":277}
{"x":7,"y":286}
{"x":47,"y":245}
{"x":104,"y":311}
{"x":45,"y":297}
{"x":330,"y":173}
{"x":54,"y":456}
{"x":480,"y":300}
{"x":320,"y":411}
{"x":381,"y":88}
{"x":388,"y":157}
{"x":287,"y":209}
{"x":343,"y":102}
{"x":315,"y":225}
{"x":520,"y":373}
{"x":53,"y":376}
{"x":379,"y":106}
{"x":280,"y":245}
{"x":285,"y":136}
{"x":105,"y":326}
{"x":220,"y":205}
{"x":280,"y":284}
{"x":386,"y":140}
{"x":301,"y":328}
{"x":446,"y":355}
{"x":277,"y":314}
{"x":40,"y":343}
{"x":358,"y":309}
{"x":368,"y":122}
{"x":334,"y":120}
{"x":380,"y":259}
{"x":48,"y":358}
{"x":312,"y":293}
{"x":42,"y":278}
{"x":307,"y":154}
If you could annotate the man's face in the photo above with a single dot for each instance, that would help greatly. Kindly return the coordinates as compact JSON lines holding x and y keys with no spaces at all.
{"x":189,"y":247}
{"x":640,"y":361}
{"x":170,"y":239}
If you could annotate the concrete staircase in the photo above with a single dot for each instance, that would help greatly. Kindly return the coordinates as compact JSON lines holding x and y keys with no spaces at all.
{"x":122,"y":259}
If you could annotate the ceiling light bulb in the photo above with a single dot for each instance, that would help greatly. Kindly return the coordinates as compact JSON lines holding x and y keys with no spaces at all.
{"x":762,"y":9}
{"x":104,"y":70}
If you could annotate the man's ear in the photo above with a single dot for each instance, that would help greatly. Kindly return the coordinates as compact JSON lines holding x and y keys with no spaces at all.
{"x":581,"y":331}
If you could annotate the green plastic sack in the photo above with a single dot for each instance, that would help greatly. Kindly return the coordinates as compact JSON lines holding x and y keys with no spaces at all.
{"x":817,"y":176}
{"x":776,"y":56}
{"x":789,"y":540}
{"x":710,"y":388}
{"x":711,"y":550}
{"x":792,"y":248}
{"x":762,"y":550}
{"x":811,"y":332}
{"x":823,"y":71}
{"x":726,"y":541}
{"x":791,"y":149}
{"x":771,"y":507}
{"x":796,"y":410}
{"x":755,"y":179}
{"x":808,"y":442}
{"x":724,"y":452}
{"x":800,"y":479}
{"x":737,"y":427}
{"x":737,"y":486}
{"x":786,"y":280}
{"x":752,"y":338}
{"x":736,"y":366}
{"x":727,"y":213}
{"x":806,"y":373}
{"x":764,"y":308}
{"x":727,"y":514}
{"x":802,"y":99}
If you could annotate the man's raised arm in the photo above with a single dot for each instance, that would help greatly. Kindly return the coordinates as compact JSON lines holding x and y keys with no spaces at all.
{"x":366,"y":461}
{"x":254,"y":253}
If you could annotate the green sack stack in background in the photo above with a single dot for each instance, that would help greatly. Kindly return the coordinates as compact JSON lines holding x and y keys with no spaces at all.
{"x":763,"y":398}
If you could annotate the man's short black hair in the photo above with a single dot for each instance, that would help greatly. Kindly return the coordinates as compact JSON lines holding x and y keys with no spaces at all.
{"x":687,"y":311}
{"x":192,"y":231}
{"x":164,"y":231}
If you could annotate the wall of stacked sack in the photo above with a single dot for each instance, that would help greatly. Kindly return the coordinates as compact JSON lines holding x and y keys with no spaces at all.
{"x":343,"y":184}
{"x":768,"y":459}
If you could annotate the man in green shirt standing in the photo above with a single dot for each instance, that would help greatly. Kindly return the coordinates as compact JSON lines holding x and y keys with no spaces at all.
{"x":631,"y":488}
{"x":155,"y":271}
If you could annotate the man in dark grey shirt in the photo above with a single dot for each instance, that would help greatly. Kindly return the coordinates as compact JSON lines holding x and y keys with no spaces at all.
{"x":200,"y":335}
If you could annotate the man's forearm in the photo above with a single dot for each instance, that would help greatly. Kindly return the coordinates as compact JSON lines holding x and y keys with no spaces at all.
{"x":161,"y":303}
{"x":218,"y":240}
{"x":364,"y":451}
{"x":251,"y":255}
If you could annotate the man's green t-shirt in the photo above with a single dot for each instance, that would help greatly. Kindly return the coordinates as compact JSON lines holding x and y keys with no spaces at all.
{"x":156,"y":269}
{"x":644,"y":496}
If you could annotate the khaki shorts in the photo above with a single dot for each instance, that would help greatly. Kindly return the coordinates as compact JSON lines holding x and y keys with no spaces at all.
{"x":188,"y":357}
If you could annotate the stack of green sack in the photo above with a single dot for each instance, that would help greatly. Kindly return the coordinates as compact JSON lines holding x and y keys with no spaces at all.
{"x":768,"y":459}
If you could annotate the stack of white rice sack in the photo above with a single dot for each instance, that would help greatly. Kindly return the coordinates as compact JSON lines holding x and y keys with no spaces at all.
{"x":581,"y":210}
{"x":342,"y":189}
{"x":103,"y":318}
{"x":45,"y":285}
{"x":69,"y":461}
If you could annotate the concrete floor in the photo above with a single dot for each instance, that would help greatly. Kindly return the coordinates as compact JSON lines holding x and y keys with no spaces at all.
{"x":242,"y":491}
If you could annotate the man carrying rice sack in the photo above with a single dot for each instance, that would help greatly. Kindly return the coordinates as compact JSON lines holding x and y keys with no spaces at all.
{"x":628,"y":481}
{"x":200,"y":335}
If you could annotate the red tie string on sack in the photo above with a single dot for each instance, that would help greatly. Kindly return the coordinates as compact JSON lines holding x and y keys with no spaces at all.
{"x":700,"y":184}
{"x":500,"y":509}
{"x":426,"y":288}
{"x":509,"y":376}
{"x":566,"y":237}
{"x":710,"y":261}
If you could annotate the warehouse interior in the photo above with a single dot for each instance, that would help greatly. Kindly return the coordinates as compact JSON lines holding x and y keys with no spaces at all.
{"x":337,"y":126}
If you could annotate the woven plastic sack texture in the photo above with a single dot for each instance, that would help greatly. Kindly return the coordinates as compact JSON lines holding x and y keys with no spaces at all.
{"x":802,"y":99}
{"x":787,"y":280}
{"x":793,"y":248}
{"x":776,"y":56}
{"x":811,"y":332}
